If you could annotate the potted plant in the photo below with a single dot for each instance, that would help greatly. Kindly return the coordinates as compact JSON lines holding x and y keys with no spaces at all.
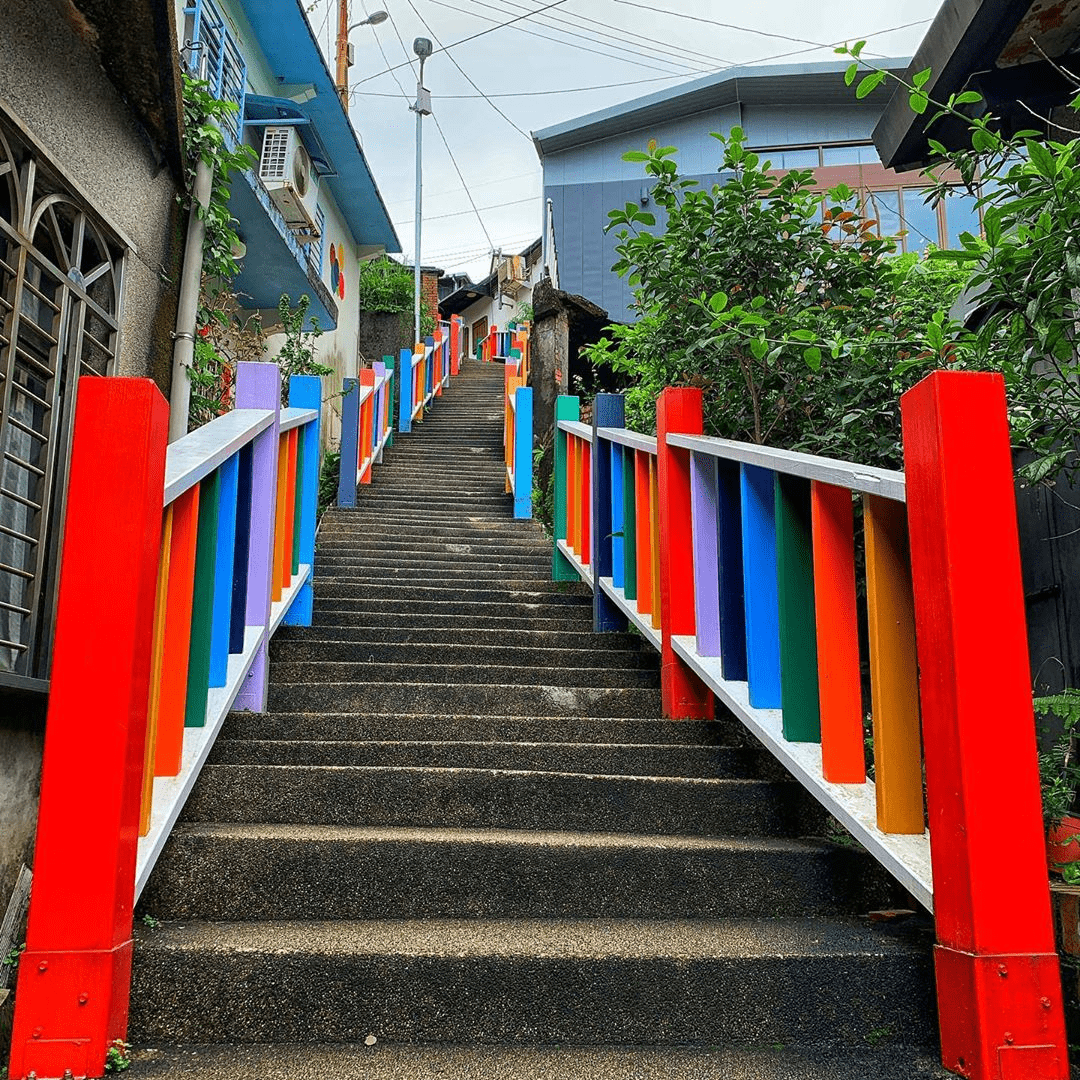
{"x":1059,"y":769}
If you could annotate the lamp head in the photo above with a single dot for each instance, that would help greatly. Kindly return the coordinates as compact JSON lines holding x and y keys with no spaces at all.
{"x":423,"y":48}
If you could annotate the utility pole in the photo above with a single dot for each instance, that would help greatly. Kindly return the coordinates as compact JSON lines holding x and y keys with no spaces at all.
{"x":422,"y":107}
{"x":343,"y":53}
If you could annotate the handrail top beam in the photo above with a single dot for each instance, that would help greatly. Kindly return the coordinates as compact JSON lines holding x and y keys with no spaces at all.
{"x":625,"y":437}
{"x":292,"y":418}
{"x":196,"y":455}
{"x":868,"y":479}
{"x":575,"y":427}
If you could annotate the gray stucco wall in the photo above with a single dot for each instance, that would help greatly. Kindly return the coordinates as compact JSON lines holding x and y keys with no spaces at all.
{"x":52,"y":81}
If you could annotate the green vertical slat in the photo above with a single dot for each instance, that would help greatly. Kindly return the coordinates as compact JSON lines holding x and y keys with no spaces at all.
{"x":798,"y":631}
{"x":298,"y":501}
{"x":629,"y":525}
{"x":566,"y":408}
{"x":202,"y":608}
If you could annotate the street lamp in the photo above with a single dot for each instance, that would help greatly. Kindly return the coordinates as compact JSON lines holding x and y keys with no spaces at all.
{"x":344,"y":49}
{"x":373,"y":19}
{"x":423,"y":49}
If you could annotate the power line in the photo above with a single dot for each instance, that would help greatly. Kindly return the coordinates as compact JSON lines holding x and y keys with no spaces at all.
{"x":530,"y":93}
{"x":482,"y":33}
{"x":468,"y":78}
{"x":681,"y":55}
{"x":563,"y":41}
{"x":534,"y":173}
{"x":457,"y":169}
{"x":386,"y":59}
{"x":463,"y":213}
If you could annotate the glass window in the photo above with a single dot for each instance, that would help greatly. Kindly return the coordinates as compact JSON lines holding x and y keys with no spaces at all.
{"x":849,"y":155}
{"x":795,"y":159}
{"x":212,"y":54}
{"x":920,"y":220}
{"x":884,"y":206}
{"x":961,"y":215}
{"x":59,"y":320}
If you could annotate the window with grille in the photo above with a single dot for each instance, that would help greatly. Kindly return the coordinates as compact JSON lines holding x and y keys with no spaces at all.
{"x":316,"y":249}
{"x":212,"y":54}
{"x":60,"y":296}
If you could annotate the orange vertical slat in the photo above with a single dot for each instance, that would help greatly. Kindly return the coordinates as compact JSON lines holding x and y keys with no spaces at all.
{"x":172,"y":693}
{"x":839,"y":682}
{"x":156,"y":662}
{"x":894,"y":676}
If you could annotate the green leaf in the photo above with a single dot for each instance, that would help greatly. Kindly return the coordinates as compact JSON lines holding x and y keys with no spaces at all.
{"x":968,"y":97}
{"x":852,"y":71}
{"x":812,"y":356}
{"x":858,"y":48}
{"x":869,"y":84}
{"x":1041,"y":158}
{"x":718,"y":301}
{"x":635,"y":155}
{"x":759,"y":347}
{"x":920,"y":79}
{"x":645,"y":218}
{"x":919,"y":102}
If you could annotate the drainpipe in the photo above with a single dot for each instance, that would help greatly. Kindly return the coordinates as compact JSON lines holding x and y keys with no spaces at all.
{"x":187,"y":307}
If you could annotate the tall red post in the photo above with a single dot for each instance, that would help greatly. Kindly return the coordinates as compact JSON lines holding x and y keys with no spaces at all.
{"x":684,"y":695}
{"x":999,"y":983}
{"x":455,"y":344}
{"x":74,"y":978}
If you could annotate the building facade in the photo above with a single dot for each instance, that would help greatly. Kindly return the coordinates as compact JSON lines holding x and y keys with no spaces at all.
{"x":310,"y":212}
{"x":798,"y":116}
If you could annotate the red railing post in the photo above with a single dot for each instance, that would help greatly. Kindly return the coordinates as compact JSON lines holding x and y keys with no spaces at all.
{"x":75,"y":976}
{"x":684,"y":695}
{"x":455,"y":344}
{"x":999,"y":983}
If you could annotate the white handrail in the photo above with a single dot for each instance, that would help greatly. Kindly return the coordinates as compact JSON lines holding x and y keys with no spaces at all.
{"x":196,"y":455}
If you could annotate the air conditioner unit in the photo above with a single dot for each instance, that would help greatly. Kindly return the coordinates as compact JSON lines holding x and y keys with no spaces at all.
{"x":288,"y":175}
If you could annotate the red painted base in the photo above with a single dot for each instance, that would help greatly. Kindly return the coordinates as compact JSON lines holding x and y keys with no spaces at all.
{"x":683,"y":695}
{"x":1001,"y":1016}
{"x":76,"y":1027}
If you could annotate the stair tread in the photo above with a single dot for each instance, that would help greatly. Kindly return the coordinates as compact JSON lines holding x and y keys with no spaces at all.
{"x":384,"y":1061}
{"x":799,"y":938}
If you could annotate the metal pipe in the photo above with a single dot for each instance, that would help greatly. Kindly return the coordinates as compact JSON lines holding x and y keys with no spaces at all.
{"x":187,"y":306}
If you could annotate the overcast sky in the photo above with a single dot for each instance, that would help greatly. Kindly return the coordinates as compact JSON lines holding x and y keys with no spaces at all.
{"x":537,"y":81}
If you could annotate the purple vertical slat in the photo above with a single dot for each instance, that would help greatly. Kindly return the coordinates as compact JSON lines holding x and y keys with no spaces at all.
{"x":258,"y":386}
{"x":703,"y":505}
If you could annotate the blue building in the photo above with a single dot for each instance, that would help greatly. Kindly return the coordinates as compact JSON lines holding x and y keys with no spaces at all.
{"x":799,"y":116}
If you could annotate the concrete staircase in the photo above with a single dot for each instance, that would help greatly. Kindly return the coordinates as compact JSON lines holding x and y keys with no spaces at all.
{"x":460,"y":844}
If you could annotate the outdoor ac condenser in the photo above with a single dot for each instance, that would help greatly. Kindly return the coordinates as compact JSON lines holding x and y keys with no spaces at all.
{"x":288,"y":175}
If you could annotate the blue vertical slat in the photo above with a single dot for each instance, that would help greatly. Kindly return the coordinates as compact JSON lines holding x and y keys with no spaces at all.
{"x":305,"y":392}
{"x":405,"y":391}
{"x":609,"y":411}
{"x":730,"y":557}
{"x":760,"y":593}
{"x":238,"y":617}
{"x":221,"y":622}
{"x":618,"y":526}
{"x":523,"y":465}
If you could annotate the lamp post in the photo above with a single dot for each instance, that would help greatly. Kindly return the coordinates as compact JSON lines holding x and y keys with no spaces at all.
{"x":423,"y":49}
{"x":344,"y":52}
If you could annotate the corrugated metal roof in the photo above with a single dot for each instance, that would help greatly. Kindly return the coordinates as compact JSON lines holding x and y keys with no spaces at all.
{"x":775,"y":84}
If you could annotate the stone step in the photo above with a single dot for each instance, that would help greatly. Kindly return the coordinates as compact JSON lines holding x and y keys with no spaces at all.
{"x":500,"y":799}
{"x":421,"y":635}
{"x":357,"y":618}
{"x":420,"y":596}
{"x":472,"y":728}
{"x":590,"y":759}
{"x":310,"y":652}
{"x":347,"y":1061}
{"x":343,"y":672}
{"x":462,"y":697}
{"x":229,"y":872}
{"x":519,"y":981}
{"x":460,"y":613}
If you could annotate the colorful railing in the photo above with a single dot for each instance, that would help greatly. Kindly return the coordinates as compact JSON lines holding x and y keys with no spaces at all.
{"x":367,"y":426}
{"x":426,"y":371}
{"x":178,"y":566}
{"x":518,"y":435}
{"x":500,"y":344}
{"x":738,"y":563}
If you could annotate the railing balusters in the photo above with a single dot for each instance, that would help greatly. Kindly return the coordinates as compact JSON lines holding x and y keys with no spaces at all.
{"x":223,"y":572}
{"x":760,"y":592}
{"x":608,"y":412}
{"x":202,"y":610}
{"x":705,"y":517}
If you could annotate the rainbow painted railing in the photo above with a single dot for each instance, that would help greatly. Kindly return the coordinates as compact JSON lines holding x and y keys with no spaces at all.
{"x":518,"y":435}
{"x":737,"y":562}
{"x":367,"y":426}
{"x":178,"y":565}
{"x":426,"y":370}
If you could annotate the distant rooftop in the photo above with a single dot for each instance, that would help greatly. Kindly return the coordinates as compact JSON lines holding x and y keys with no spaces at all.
{"x":766,"y":84}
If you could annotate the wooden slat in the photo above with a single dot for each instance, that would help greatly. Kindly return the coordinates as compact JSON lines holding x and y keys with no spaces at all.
{"x":202,"y":614}
{"x":654,"y":542}
{"x":894,"y":676}
{"x":843,"y":756}
{"x":281,"y":501}
{"x":643,"y":528}
{"x":760,"y":594}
